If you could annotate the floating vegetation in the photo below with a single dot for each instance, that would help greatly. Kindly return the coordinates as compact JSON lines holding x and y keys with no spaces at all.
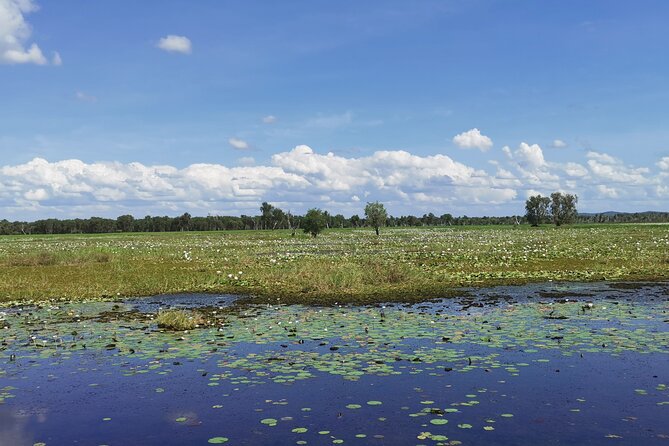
{"x":448,"y":372}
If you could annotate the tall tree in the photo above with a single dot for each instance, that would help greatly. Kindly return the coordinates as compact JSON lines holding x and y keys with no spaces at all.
{"x":563,"y":208}
{"x":265,"y":215}
{"x":536,"y":209}
{"x":376,"y":215}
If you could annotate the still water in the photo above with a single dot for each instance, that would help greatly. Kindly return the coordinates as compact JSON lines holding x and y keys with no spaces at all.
{"x":538,"y":364}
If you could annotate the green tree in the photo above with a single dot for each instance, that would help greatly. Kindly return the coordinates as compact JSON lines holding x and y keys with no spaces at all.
{"x":314,"y":222}
{"x":125,"y":223}
{"x":563,"y":208}
{"x":376,"y":215}
{"x":265,"y":215}
{"x":536,"y":209}
{"x":183,"y":222}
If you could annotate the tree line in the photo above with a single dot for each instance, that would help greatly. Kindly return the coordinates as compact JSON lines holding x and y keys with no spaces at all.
{"x":271,"y":217}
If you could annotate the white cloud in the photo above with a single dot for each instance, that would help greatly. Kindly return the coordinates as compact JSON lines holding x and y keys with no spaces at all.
{"x":530,"y":156}
{"x":473,"y":139}
{"x":246,"y":161}
{"x":575,"y":170}
{"x":238,"y":144}
{"x":601,"y":157}
{"x":269,"y":119}
{"x":36,"y":194}
{"x":302,"y":178}
{"x":558,"y":144}
{"x":56,"y":59}
{"x":606,"y":191}
{"x":175,"y":44}
{"x":663,"y":163}
{"x":15,"y":32}
{"x":610,"y":169}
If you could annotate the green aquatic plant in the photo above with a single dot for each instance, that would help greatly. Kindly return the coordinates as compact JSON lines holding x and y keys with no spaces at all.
{"x":178,"y":320}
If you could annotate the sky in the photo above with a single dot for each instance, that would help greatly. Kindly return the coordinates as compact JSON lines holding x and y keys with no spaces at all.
{"x":465,"y":107}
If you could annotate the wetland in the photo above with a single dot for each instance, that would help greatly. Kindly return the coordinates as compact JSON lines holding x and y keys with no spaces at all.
{"x":544,"y":363}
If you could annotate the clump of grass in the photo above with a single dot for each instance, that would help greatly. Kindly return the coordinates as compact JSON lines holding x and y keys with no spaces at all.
{"x":37,"y":259}
{"x":95,"y":257}
{"x":178,"y":320}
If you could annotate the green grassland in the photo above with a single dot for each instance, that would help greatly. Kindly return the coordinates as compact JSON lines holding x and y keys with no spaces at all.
{"x":349,"y":265}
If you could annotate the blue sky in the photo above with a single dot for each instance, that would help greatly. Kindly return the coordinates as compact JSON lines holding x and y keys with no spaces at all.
{"x":331,"y":104}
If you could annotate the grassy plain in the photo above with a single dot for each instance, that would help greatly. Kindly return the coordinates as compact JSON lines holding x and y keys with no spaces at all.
{"x":350,"y":265}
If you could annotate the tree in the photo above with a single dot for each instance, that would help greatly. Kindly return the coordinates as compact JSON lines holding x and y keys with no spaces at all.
{"x":125,"y":223}
{"x":265,"y":214}
{"x":563,"y":208}
{"x":314,"y":222}
{"x":376,"y":215}
{"x":183,"y":222}
{"x":536,"y":209}
{"x":277,"y":218}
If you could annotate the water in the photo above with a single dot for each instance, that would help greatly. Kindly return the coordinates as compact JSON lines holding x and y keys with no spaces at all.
{"x":540,"y":364}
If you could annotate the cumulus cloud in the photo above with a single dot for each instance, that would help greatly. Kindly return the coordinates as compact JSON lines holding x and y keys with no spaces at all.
{"x":473,"y":139}
{"x":607,"y":191}
{"x":238,"y":144}
{"x":575,"y":170}
{"x":302,"y":178}
{"x":175,"y":44}
{"x":529,"y":162}
{"x":15,"y":33}
{"x":663,"y":163}
{"x":608,"y":168}
{"x":530,"y":156}
{"x":558,"y":144}
{"x":269,"y":119}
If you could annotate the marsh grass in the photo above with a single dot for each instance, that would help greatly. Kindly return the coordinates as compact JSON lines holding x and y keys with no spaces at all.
{"x":350,"y":265}
{"x":178,"y":320}
{"x":49,"y":259}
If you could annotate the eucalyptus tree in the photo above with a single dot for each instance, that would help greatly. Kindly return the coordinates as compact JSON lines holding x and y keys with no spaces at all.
{"x":563,"y":208}
{"x":536,"y":209}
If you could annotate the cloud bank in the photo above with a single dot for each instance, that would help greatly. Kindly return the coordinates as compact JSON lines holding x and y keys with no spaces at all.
{"x":302,"y":178}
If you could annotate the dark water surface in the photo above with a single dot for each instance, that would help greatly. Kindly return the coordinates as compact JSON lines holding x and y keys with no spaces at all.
{"x":534,"y":365}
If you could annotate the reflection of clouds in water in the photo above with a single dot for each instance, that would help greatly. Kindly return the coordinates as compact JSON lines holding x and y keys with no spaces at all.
{"x":14,"y":427}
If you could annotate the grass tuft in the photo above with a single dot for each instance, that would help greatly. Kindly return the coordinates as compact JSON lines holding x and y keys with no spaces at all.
{"x":178,"y":320}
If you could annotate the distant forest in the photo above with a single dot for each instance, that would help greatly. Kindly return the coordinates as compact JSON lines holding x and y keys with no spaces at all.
{"x":274,"y":218}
